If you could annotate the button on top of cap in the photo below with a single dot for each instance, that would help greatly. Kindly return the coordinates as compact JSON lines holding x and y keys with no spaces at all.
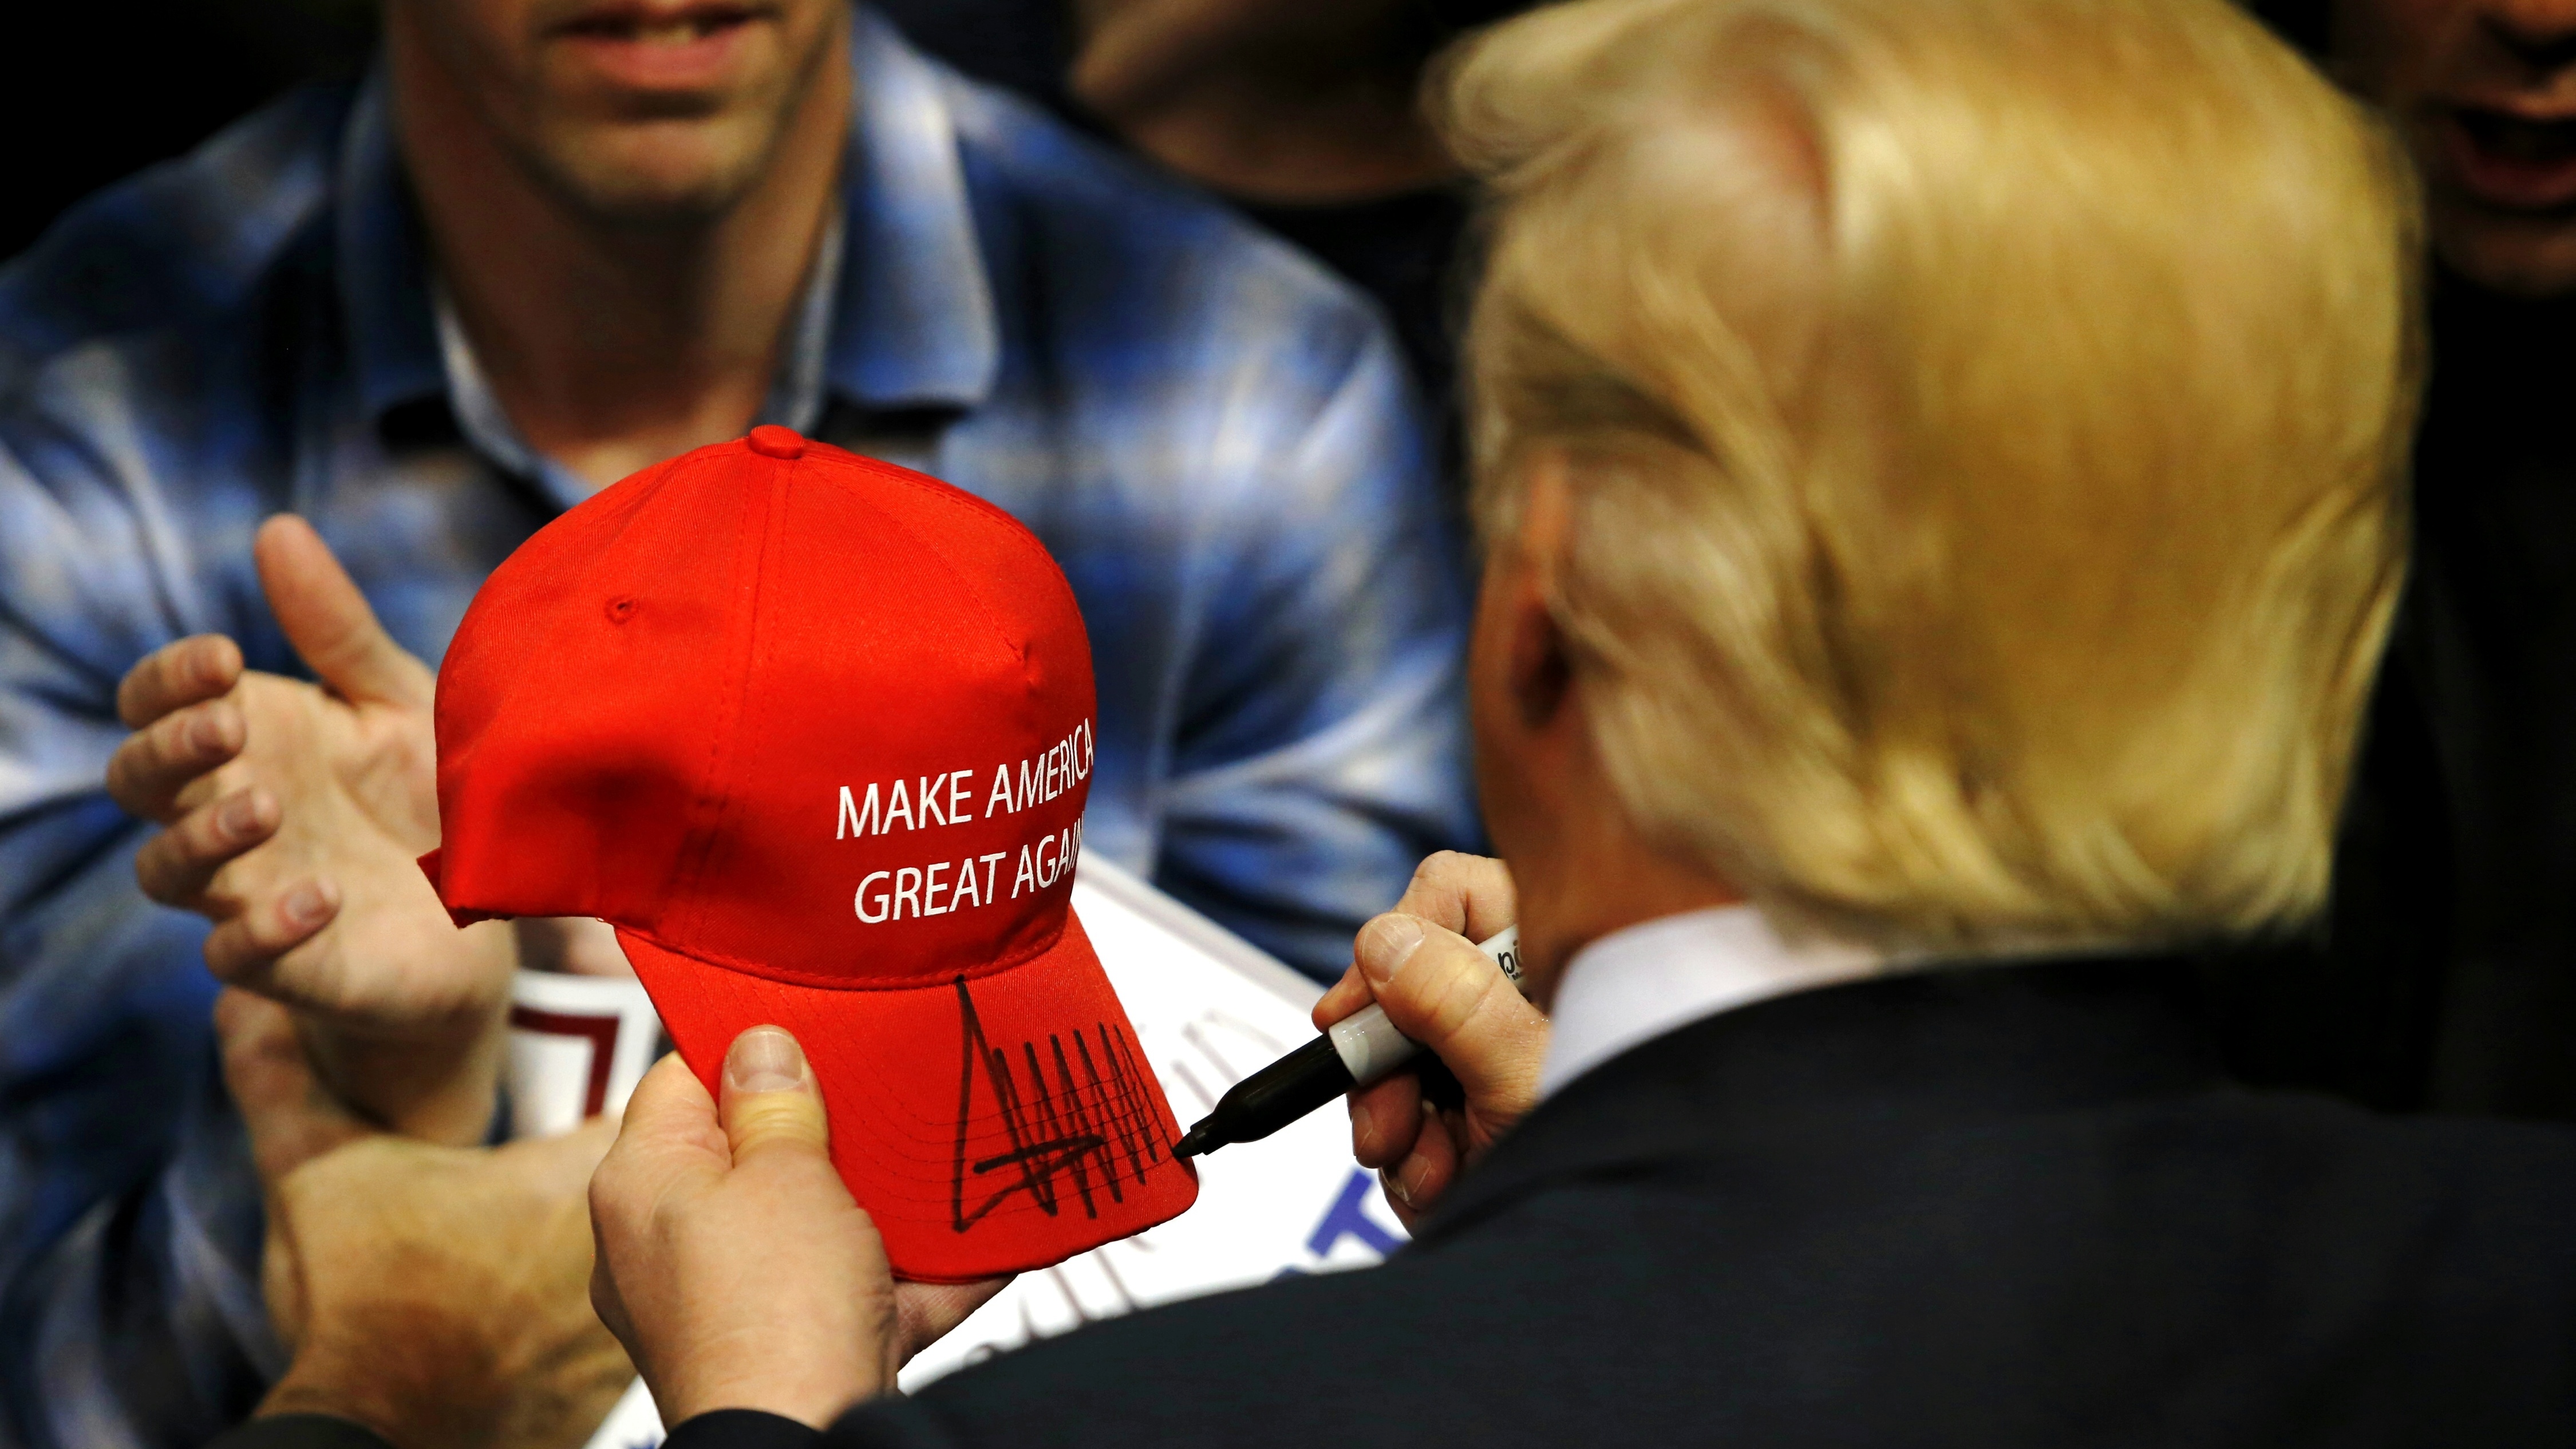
{"x":771,"y":440}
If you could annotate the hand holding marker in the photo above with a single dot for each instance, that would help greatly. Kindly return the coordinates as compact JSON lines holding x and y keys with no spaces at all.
{"x":1361,"y":1048}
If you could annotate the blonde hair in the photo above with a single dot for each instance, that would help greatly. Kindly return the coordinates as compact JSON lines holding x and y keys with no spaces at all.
{"x":2023,"y":584}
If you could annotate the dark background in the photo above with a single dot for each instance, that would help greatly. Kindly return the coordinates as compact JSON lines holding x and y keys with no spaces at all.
{"x":103,"y":89}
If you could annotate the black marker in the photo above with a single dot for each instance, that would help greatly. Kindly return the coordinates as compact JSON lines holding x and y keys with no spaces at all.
{"x":1358,"y":1049}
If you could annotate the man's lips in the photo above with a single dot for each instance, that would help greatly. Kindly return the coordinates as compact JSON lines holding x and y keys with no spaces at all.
{"x":663,"y":47}
{"x":2518,"y":161}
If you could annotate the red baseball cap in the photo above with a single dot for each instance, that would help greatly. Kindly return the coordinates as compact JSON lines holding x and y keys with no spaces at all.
{"x":814,"y":733}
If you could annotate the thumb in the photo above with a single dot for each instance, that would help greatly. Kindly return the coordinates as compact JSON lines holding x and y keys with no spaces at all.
{"x":328,"y":620}
{"x":1444,"y":993}
{"x":771,"y":1102}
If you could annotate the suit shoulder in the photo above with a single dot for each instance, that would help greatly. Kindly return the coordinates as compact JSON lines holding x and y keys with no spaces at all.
{"x":2491,"y":1187}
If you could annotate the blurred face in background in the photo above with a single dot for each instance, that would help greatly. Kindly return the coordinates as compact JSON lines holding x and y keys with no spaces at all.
{"x":2486,"y":91}
{"x":638,"y":110}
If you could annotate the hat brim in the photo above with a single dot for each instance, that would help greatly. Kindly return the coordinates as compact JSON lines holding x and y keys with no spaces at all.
{"x":989,"y":1124}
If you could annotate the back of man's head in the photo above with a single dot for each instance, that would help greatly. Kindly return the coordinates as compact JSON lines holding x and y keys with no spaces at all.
{"x":1985,"y":423}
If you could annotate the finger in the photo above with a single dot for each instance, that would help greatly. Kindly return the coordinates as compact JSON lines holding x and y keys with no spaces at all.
{"x":772,"y":1104}
{"x":244,"y":950}
{"x":925,"y":1312}
{"x":328,"y":620}
{"x":291,"y":1119}
{"x":1441,"y":991}
{"x":147,"y":772}
{"x":174,"y":676}
{"x":1471,"y":895}
{"x":176,"y":865}
{"x":1345,"y":996}
{"x":669,"y":1111}
{"x":669,"y":1114}
{"x":669,"y":1135}
{"x":1415,"y":1185}
{"x":1384,"y":1118}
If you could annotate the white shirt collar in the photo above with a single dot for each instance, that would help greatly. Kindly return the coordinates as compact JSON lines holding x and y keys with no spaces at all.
{"x":1656,"y":976}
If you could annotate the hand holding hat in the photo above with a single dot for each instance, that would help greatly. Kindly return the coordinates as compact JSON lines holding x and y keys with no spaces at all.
{"x":807,"y":1326}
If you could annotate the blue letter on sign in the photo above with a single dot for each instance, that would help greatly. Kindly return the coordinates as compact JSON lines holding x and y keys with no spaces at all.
{"x":1348,"y":1218}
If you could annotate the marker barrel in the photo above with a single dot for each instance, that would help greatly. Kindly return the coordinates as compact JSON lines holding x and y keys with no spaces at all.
{"x":1369,"y":1045}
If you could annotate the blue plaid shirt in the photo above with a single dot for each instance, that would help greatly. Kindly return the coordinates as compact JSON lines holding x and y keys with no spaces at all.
{"x":1215,"y":439}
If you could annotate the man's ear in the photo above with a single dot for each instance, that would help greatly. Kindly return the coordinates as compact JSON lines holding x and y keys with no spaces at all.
{"x":1540,"y":665}
{"x":1541,"y":671}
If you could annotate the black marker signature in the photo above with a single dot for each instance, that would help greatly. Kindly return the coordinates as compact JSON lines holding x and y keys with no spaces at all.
{"x":1095,"y":1123}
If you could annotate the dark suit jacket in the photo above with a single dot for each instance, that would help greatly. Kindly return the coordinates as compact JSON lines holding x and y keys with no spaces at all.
{"x":1991,"y":1207}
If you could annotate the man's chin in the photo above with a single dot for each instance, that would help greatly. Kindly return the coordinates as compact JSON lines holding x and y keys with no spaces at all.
{"x":671,"y":173}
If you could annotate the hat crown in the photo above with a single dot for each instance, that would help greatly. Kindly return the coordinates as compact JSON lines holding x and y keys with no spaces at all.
{"x":811,"y":717}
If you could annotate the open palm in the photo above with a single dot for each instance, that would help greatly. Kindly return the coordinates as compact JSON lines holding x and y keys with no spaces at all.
{"x":295,"y":817}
